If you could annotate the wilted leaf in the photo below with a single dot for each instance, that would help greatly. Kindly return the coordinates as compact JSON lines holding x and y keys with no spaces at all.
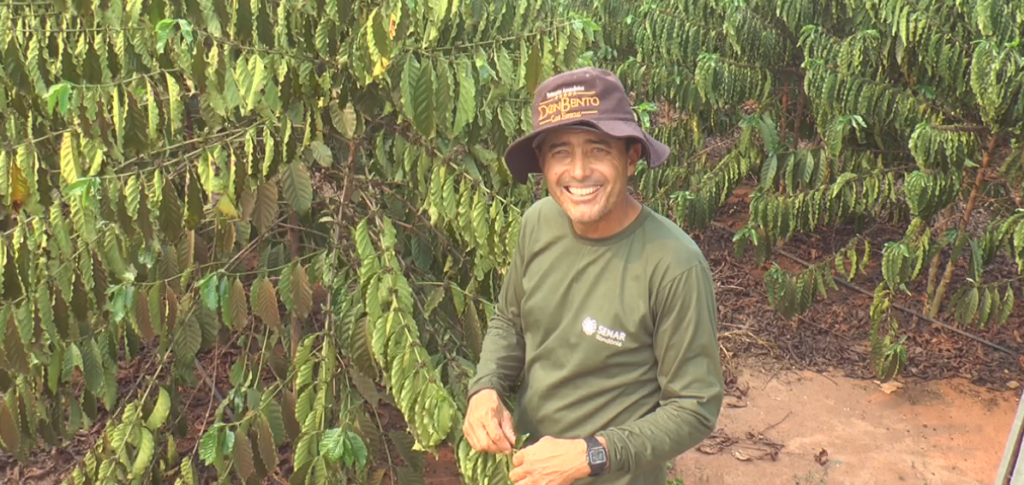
{"x":244,"y":465}
{"x":302,"y":292}
{"x":265,"y":303}
{"x":9,"y":432}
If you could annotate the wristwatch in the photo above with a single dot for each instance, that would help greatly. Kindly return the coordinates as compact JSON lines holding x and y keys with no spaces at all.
{"x":597,"y":456}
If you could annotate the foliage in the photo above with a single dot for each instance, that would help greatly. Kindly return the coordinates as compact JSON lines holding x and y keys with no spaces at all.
{"x":844,"y":113}
{"x":309,"y":190}
{"x":312,"y":193}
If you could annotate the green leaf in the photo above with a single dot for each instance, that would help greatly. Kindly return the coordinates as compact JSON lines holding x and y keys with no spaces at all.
{"x":534,"y":67}
{"x":209,"y":449}
{"x":356,"y":450}
{"x":275,"y":419}
{"x":69,"y":167}
{"x":297,"y":187}
{"x":321,"y":153}
{"x":332,"y":444}
{"x":208,"y":287}
{"x":421,"y":94}
{"x":92,"y":367}
{"x":144,"y":455}
{"x":466,"y":108}
{"x":162,"y":409}
{"x":58,"y":95}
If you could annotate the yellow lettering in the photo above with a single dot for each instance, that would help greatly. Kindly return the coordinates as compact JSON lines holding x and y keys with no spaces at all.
{"x":564,"y":107}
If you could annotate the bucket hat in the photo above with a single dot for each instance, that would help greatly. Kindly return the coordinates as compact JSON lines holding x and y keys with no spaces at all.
{"x":588,"y":97}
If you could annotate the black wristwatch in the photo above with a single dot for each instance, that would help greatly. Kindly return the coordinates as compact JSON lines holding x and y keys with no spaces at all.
{"x":597,"y":456}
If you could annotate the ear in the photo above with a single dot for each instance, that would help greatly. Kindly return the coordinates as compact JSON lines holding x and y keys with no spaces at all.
{"x":634,"y":150}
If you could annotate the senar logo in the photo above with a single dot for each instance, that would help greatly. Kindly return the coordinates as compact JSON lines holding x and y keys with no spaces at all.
{"x":604,"y":334}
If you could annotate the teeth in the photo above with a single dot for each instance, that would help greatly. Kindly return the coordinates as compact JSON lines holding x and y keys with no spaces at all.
{"x":582,"y":190}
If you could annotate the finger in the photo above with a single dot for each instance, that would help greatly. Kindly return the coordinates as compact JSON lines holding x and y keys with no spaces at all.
{"x":519,"y":458}
{"x":506,"y":428}
{"x":495,"y":436}
{"x":477,"y":438}
{"x":518,"y":474}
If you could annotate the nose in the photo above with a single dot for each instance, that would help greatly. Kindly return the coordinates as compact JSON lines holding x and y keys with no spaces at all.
{"x":579,"y":167}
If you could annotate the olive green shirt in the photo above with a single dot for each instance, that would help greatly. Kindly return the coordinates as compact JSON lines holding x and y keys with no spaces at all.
{"x":614,"y":337}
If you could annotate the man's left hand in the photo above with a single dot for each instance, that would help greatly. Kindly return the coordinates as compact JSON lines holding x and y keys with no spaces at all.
{"x":551,"y":461}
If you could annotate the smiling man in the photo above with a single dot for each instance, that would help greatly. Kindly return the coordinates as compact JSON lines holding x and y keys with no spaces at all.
{"x":605,"y":334}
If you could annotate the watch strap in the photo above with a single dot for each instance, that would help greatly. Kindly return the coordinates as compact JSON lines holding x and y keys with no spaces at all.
{"x":597,"y":456}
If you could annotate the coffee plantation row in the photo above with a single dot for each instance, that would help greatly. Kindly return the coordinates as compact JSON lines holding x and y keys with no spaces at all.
{"x":312,"y":192}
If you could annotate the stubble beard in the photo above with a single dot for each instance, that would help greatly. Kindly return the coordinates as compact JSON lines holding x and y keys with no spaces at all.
{"x":588,"y":213}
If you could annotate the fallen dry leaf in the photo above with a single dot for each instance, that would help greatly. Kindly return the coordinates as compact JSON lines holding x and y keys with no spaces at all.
{"x":889,"y":387}
{"x":740,"y":455}
{"x":821,"y":457}
{"x":731,"y":402}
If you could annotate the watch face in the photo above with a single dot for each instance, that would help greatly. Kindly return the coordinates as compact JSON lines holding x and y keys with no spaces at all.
{"x":597,"y":455}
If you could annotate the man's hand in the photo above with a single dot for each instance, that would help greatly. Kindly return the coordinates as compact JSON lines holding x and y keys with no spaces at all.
{"x":551,"y":461}
{"x":488,"y":425}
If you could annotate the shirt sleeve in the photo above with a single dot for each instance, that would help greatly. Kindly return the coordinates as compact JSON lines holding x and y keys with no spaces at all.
{"x":503,"y":351}
{"x":690,"y":374}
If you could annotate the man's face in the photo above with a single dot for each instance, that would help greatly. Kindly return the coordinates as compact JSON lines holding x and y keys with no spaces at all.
{"x":586,"y":171}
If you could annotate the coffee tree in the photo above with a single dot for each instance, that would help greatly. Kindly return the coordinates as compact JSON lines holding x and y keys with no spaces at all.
{"x":308,"y":191}
{"x":845,"y":113}
{"x":300,"y":210}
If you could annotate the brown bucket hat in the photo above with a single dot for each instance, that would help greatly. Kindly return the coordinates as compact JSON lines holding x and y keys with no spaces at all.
{"x":587,"y":97}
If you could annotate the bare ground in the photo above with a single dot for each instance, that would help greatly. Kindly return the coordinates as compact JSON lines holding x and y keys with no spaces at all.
{"x":805,"y":428}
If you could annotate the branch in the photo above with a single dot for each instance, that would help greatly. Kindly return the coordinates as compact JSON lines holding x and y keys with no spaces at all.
{"x":936,"y":302}
{"x":894,"y":304}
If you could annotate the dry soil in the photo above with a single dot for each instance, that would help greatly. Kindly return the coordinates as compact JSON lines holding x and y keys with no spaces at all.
{"x":839,"y":431}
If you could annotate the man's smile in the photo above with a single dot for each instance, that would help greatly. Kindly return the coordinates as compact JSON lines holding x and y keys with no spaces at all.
{"x":582,"y":191}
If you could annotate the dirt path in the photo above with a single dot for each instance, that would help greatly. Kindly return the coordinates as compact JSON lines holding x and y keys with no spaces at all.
{"x":935,"y":433}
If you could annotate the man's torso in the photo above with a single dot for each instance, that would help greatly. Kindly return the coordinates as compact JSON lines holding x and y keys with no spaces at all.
{"x":588,"y":327}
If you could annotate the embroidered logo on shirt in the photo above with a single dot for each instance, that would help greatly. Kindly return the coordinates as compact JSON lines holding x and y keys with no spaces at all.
{"x":604,"y":334}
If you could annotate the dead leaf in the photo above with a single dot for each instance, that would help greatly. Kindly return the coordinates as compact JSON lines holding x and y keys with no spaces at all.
{"x":889,"y":387}
{"x":731,"y":402}
{"x":821,"y":457}
{"x":1012,"y":385}
{"x":740,"y":455}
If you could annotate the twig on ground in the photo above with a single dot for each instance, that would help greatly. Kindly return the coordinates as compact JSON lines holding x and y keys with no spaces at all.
{"x":763,"y":431}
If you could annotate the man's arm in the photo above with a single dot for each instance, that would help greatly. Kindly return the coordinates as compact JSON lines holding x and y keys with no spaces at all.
{"x":690,"y":373}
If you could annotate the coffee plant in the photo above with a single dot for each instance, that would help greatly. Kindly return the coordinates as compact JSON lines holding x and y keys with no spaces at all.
{"x":311,"y":193}
{"x":845,"y":113}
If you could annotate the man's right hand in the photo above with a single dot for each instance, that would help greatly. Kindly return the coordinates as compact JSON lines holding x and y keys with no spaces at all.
{"x":488,"y":425}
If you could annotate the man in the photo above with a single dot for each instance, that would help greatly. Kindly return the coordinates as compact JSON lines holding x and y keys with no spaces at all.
{"x":607,"y":317}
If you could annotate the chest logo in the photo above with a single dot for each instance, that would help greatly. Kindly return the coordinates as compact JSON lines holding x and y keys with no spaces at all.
{"x":604,"y":334}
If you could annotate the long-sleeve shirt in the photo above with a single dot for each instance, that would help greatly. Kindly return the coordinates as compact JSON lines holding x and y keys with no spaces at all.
{"x":615,"y":337}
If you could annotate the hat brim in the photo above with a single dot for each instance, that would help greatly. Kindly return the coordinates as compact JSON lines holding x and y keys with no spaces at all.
{"x":521,"y":158}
